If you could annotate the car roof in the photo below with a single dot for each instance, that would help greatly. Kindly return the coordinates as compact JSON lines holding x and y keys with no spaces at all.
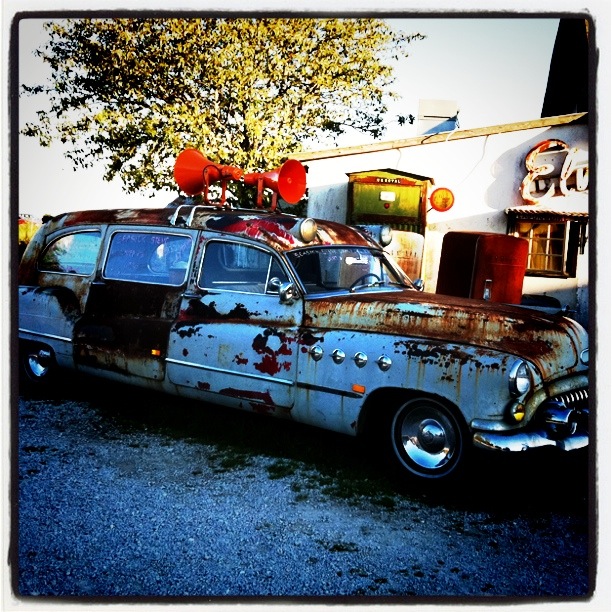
{"x":276,"y":229}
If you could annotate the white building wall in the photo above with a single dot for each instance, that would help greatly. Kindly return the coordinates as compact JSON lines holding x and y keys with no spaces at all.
{"x":483,"y":168}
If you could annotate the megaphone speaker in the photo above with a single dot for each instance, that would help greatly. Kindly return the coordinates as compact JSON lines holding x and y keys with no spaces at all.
{"x":291,"y":181}
{"x":194,"y":173}
{"x":288,"y":181}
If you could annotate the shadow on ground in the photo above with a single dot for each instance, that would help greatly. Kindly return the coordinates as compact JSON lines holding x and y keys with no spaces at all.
{"x":504,"y":484}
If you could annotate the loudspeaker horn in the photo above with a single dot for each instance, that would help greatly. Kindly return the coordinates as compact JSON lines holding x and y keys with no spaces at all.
{"x":194,"y":173}
{"x":288,"y":181}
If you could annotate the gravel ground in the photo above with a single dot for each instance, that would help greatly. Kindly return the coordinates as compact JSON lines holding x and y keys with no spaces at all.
{"x":123,"y":493}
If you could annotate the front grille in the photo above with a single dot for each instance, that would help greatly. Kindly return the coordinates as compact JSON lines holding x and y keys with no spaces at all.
{"x":566,"y":413}
{"x":577,"y":399}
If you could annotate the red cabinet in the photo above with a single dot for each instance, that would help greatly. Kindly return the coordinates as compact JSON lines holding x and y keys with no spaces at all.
{"x":483,"y":265}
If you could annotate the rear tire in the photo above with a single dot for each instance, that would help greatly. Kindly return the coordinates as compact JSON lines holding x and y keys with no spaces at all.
{"x":427,"y":439}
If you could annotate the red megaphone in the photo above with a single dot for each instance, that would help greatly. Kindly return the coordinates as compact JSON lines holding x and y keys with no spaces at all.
{"x":288,"y":181}
{"x":194,"y":173}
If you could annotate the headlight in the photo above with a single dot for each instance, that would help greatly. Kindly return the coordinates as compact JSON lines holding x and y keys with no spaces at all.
{"x":519,"y":379}
{"x":307,"y":230}
{"x":386,"y":235}
{"x":584,"y":357}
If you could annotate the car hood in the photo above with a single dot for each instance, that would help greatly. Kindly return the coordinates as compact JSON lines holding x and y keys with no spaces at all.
{"x":552,"y":343}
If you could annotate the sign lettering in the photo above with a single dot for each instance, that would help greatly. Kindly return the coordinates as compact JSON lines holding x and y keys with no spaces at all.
{"x":545,"y":178}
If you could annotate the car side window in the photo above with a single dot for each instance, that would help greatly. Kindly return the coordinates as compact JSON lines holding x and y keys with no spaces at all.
{"x":239,"y":267}
{"x":72,"y":254}
{"x":148,"y":257}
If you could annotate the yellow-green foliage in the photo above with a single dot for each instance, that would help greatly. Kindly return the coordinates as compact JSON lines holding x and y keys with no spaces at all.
{"x":134,"y":92}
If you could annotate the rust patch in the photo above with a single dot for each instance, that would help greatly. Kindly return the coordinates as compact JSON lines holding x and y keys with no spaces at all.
{"x":309,"y":339}
{"x":452,"y":322}
{"x":271,"y":362}
{"x":196,"y":314}
{"x":65,"y":298}
{"x":208,"y":312}
{"x":186,"y":330}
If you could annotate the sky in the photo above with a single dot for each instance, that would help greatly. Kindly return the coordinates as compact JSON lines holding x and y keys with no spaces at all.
{"x":495,"y":69}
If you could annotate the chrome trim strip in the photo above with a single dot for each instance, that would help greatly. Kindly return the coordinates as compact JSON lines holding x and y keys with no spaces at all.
{"x":280,"y":381}
{"x":43,"y":335}
{"x":309,"y":387}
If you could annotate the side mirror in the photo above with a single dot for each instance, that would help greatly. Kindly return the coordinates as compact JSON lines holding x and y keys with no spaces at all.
{"x":274,"y":285}
{"x":287,"y":293}
{"x":418,"y":284}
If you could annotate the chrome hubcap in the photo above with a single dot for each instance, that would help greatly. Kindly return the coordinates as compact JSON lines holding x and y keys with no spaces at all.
{"x":39,"y":363}
{"x":431,"y":436}
{"x":428,"y":437}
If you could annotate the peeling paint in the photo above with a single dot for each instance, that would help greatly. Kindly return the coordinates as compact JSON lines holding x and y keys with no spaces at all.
{"x":455,"y":322}
{"x":269,"y":354}
{"x":264,"y":344}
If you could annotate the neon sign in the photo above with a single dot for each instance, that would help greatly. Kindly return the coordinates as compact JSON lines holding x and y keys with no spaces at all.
{"x":553,"y":167}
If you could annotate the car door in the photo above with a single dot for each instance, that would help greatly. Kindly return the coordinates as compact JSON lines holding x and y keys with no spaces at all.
{"x":133,"y":301}
{"x":53,"y":297}
{"x":234,"y":338}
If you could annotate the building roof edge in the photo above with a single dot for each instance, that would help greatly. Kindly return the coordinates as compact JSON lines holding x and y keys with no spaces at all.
{"x":439,"y":137}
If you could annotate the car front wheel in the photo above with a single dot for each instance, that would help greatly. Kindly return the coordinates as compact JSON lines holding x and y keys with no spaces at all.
{"x":427,"y":439}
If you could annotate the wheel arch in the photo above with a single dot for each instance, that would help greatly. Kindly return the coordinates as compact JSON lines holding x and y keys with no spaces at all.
{"x":382,"y":402}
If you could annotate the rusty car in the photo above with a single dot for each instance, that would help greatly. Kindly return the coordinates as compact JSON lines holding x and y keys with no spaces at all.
{"x":297,"y":318}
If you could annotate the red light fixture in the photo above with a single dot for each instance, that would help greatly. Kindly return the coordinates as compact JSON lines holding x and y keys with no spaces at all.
{"x":442,"y":199}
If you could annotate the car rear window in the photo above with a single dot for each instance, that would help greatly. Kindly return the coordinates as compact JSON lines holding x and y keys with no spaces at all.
{"x":72,"y":254}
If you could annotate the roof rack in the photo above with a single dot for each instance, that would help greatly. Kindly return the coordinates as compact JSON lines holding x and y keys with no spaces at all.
{"x":175,"y":215}
{"x":192,"y":211}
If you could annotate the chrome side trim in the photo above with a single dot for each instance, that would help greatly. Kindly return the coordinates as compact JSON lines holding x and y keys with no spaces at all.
{"x":340,"y":392}
{"x":22,"y":330}
{"x":199,"y":366}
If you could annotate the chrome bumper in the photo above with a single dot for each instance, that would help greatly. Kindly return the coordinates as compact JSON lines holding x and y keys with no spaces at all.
{"x":560,"y":425}
{"x":527,"y":440}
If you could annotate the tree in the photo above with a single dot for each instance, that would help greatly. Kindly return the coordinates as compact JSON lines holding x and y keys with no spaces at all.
{"x":134,"y":92}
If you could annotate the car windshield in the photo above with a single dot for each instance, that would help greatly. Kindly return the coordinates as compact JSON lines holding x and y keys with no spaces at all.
{"x":325,"y":269}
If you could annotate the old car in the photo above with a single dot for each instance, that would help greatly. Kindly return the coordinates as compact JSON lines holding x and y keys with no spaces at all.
{"x":297,"y":318}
